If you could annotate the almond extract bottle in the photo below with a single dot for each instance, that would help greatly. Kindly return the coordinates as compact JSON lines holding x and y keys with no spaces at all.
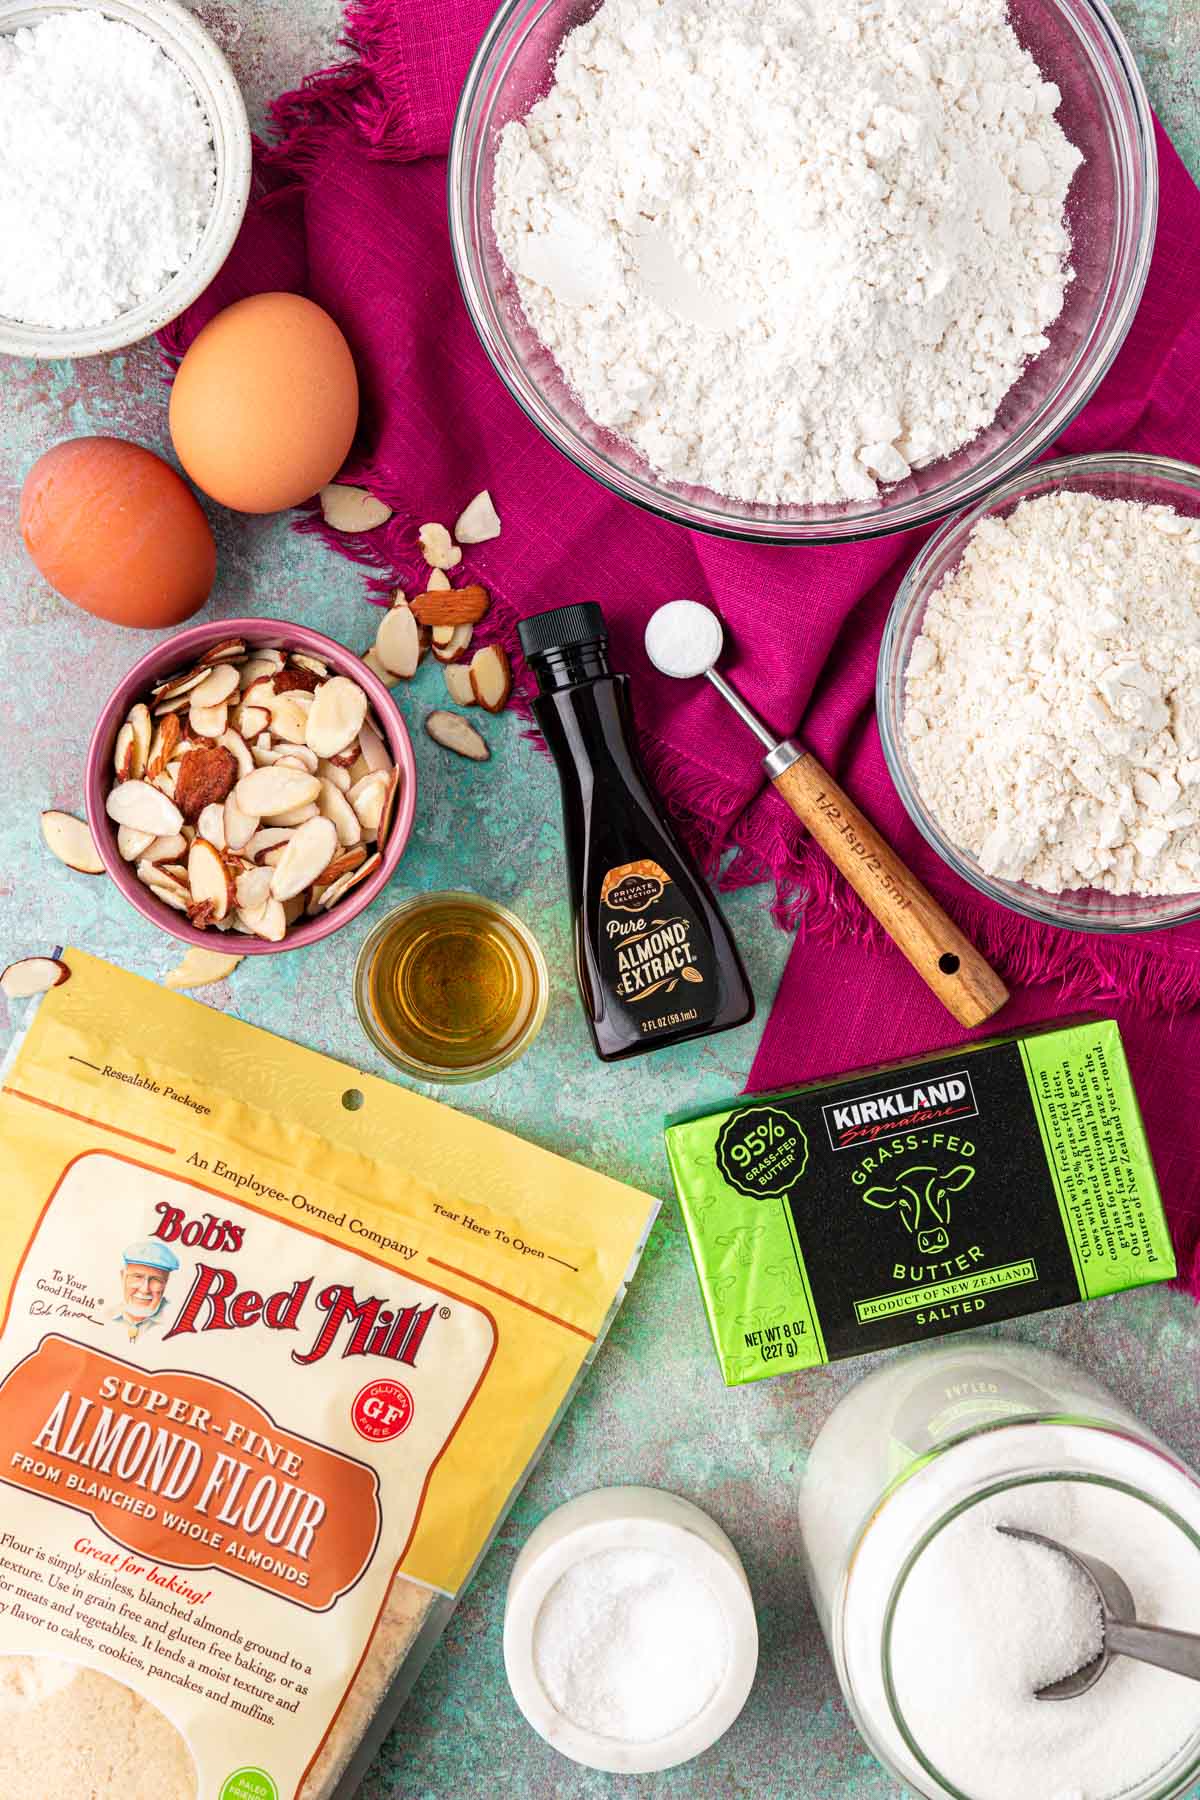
{"x":654,"y":958}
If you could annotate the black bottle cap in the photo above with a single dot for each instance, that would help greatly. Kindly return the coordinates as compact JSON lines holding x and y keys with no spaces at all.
{"x":562,"y":627}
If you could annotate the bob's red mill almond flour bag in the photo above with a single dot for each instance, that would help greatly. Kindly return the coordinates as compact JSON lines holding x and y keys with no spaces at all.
{"x":273,"y":1365}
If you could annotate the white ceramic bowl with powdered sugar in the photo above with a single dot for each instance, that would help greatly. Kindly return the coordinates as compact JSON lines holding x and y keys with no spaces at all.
{"x":799,"y":274}
{"x":1038,"y":693}
{"x":206,"y":145}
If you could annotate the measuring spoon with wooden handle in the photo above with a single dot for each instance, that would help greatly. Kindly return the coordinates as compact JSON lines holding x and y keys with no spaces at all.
{"x":951,"y":966}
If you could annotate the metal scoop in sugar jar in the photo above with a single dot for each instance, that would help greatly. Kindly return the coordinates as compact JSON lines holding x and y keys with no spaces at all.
{"x":1178,"y":1651}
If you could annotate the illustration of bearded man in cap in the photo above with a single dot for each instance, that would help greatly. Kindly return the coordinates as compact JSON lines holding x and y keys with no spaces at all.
{"x":146,"y":1268}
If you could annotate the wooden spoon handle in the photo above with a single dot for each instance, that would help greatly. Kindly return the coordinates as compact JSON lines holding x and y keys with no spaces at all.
{"x":908,"y":912}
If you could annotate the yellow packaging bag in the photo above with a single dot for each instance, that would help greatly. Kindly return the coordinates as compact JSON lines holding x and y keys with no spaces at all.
{"x":279,"y":1343}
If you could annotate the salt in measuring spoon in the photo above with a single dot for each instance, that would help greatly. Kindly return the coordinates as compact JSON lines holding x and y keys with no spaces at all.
{"x":684,"y":639}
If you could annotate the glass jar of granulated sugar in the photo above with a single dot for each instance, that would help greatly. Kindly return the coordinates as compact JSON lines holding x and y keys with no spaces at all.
{"x":941,"y":1626}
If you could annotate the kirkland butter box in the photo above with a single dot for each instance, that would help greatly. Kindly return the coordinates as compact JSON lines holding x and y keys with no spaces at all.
{"x":904,"y":1202}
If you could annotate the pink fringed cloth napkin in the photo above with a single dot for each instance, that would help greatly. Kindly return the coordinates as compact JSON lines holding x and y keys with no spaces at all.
{"x":349,"y":207}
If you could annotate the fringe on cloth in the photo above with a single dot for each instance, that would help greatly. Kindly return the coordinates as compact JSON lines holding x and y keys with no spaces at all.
{"x":764,"y":844}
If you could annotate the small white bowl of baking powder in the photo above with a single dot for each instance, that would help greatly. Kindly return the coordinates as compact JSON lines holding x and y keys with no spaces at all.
{"x":630,"y":1639}
{"x":166,"y":203}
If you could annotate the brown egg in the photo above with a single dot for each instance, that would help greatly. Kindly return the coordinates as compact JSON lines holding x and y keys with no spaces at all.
{"x":113,"y":528}
{"x":265,"y":403}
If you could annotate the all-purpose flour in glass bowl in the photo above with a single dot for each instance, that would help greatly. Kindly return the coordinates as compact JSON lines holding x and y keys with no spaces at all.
{"x":1115,"y":796}
{"x":700,"y":330}
{"x":940,"y":1629}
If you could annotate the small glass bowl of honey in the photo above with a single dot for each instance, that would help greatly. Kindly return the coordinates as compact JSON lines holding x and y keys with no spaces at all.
{"x":451,"y":987}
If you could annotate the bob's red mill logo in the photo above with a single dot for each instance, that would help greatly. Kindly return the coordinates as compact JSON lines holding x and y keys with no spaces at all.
{"x":356,"y":1326}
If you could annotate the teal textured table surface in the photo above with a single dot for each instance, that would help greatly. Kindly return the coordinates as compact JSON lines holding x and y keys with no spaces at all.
{"x":653,"y":1409}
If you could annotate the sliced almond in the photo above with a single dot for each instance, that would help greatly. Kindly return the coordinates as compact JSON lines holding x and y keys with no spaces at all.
{"x":294,"y":679}
{"x":398,"y":642}
{"x":179,"y":684}
{"x":455,"y":640}
{"x":260,"y":693}
{"x":200,"y":968}
{"x":166,"y":779}
{"x":290,"y":714}
{"x":123,"y":751}
{"x":211,"y":824}
{"x":367,"y":797}
{"x":133,"y":844}
{"x":337,"y":808}
{"x":372,"y":748}
{"x":343,"y":862}
{"x":263,"y":662}
{"x":253,"y":888}
{"x":269,"y":921}
{"x":144,"y":807}
{"x":388,"y":809}
{"x":337,"y":716}
{"x":459,"y":606}
{"x":491,"y":678}
{"x":331,"y":771}
{"x":143,"y":730}
{"x":478,"y":521}
{"x":163,"y":745}
{"x":437,"y":548}
{"x":397,"y":597}
{"x":310,"y":850}
{"x":169,"y":892}
{"x":458,"y":684}
{"x":169,"y":848}
{"x":453,"y":732}
{"x":209,"y":878}
{"x":344,"y":883}
{"x":225,"y":651}
{"x":71,"y":841}
{"x":238,"y":827}
{"x":352,"y":508}
{"x":298,"y":815}
{"x":217,"y":686}
{"x":298,"y":755}
{"x":33,"y":975}
{"x":377,"y":669}
{"x":206,"y":775}
{"x":272,"y":790}
{"x":439,"y":582}
{"x":238,"y":748}
{"x":250,"y":720}
{"x":266,"y":841}
{"x":208,"y":721}
{"x":304,"y":659}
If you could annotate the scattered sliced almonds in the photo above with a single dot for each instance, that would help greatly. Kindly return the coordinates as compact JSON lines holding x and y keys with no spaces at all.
{"x":33,"y":975}
{"x":491,"y":678}
{"x":200,"y":968}
{"x":248,"y":790}
{"x":453,"y":732}
{"x":458,"y":684}
{"x":71,"y":841}
{"x":478,"y":521}
{"x":352,"y":508}
{"x":438,"y":547}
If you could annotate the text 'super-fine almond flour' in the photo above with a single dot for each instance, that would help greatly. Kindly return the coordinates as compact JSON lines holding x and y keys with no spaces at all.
{"x":272,"y":1366}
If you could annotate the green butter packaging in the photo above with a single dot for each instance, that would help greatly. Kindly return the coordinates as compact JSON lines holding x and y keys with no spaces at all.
{"x":904,"y":1202}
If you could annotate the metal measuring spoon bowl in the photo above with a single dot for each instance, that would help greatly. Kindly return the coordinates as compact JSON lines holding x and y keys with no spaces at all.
{"x":1178,"y":1651}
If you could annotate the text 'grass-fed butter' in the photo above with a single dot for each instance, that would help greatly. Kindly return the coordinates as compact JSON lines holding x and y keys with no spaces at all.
{"x":899,"y":1203}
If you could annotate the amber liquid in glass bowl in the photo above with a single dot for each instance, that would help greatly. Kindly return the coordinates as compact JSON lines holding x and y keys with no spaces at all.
{"x":451,"y":987}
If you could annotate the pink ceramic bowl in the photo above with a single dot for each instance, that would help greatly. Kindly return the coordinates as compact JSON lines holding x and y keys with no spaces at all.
{"x":176,"y":653}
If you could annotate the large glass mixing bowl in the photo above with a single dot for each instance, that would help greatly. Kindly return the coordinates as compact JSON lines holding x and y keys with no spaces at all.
{"x":1112,"y":210}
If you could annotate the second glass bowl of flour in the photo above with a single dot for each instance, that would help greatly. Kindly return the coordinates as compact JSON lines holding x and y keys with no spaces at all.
{"x":791,"y":273}
{"x":1038,"y":693}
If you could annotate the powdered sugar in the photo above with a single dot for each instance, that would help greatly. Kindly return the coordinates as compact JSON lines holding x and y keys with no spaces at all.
{"x":790,"y":249}
{"x":107,"y":173}
{"x":631,"y":1645}
{"x":1053,"y":698}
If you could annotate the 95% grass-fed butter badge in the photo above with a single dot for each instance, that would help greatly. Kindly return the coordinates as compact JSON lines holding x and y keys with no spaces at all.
{"x":900,"y":1203}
